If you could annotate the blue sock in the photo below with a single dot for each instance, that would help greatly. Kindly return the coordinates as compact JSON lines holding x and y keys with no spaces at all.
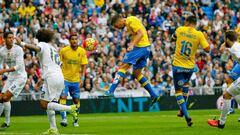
{"x":144,"y":82}
{"x":181,"y":102}
{"x":63,"y":113}
{"x":118,"y":78}
{"x":185,"y":93}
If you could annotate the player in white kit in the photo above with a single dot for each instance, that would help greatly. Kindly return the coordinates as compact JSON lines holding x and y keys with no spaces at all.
{"x":234,"y":89}
{"x":12,"y":56}
{"x":53,"y":81}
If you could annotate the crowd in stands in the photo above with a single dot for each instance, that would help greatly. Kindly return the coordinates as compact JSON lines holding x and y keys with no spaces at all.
{"x":90,"y":18}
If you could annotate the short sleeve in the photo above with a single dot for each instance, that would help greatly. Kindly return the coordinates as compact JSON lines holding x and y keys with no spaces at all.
{"x":203,"y":41}
{"x":41,"y":45}
{"x":84,"y":59}
{"x":134,"y":24}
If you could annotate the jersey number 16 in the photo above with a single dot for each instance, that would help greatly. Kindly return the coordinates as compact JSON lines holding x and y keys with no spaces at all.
{"x":186,"y":48}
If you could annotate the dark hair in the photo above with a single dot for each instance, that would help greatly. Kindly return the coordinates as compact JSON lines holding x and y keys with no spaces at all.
{"x":72,"y":35}
{"x":45,"y":35}
{"x":192,"y":19}
{"x":115,"y":19}
{"x":231,"y":35}
{"x":7,"y":33}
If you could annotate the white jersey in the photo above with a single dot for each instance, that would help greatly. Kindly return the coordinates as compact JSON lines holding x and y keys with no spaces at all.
{"x":235,"y":51}
{"x":13,"y":58}
{"x":49,"y":59}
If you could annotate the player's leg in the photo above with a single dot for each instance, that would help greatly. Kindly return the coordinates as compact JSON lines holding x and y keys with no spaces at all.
{"x":143,"y":80}
{"x":74,"y":91}
{"x":118,"y":78}
{"x":63,"y":101}
{"x":5,"y":99}
{"x":185,"y":90}
{"x":179,"y":79}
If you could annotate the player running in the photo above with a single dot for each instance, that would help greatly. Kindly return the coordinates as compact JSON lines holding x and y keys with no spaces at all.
{"x":12,"y":56}
{"x":233,"y":80}
{"x":74,"y":60}
{"x":53,"y":81}
{"x":187,"y":42}
{"x":137,"y":54}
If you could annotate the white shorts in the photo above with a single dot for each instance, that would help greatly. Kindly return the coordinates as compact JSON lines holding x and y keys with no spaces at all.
{"x":52,"y":87}
{"x":234,"y":88}
{"x":15,"y":86}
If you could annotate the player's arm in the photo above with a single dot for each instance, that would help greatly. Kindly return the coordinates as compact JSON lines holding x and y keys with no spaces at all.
{"x":84,"y":62}
{"x":204,"y":43}
{"x":174,"y":37}
{"x":26,"y":45}
{"x":222,"y":48}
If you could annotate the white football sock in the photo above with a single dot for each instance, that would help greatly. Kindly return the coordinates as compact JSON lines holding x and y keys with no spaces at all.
{"x":7,"y":111}
{"x":52,"y":119}
{"x":224,"y":112}
{"x":58,"y":107}
{"x":1,"y":108}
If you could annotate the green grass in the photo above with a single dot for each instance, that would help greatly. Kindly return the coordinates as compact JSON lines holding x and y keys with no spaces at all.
{"x":146,"y":123}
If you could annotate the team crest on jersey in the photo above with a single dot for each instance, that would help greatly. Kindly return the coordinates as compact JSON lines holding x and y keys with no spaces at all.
{"x":180,"y":82}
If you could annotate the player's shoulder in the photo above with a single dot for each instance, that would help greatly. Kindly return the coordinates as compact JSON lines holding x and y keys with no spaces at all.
{"x":18,"y":48}
{"x":132,"y":18}
{"x":80,"y":49}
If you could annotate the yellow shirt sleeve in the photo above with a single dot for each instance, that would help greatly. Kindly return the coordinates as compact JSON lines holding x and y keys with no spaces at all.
{"x":203,"y":41}
{"x":84,"y":59}
{"x":135,"y":24}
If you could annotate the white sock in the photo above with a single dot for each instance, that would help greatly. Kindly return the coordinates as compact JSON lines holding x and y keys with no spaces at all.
{"x":7,"y":111}
{"x":1,"y":108}
{"x":58,"y":107}
{"x":226,"y":107}
{"x":52,"y":119}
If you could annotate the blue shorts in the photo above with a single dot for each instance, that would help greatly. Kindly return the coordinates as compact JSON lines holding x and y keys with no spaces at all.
{"x":181,"y":76}
{"x":137,"y":57}
{"x":72,"y":88}
{"x":235,"y":73}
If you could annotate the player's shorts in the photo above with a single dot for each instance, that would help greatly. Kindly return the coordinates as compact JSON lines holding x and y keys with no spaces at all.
{"x":235,"y":73}
{"x":53,"y":85}
{"x":72,"y":88}
{"x":15,"y":86}
{"x":137,"y":57}
{"x":234,"y":88}
{"x":181,"y":76}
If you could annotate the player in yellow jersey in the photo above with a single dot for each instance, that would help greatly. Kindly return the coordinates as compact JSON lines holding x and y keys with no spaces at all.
{"x":137,"y":54}
{"x":74,"y":60}
{"x":187,"y":42}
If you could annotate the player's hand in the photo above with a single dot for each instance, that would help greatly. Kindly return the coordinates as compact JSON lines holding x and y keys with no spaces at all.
{"x":80,"y":83}
{"x":18,"y":40}
{"x":130,"y":47}
{"x":2,"y":71}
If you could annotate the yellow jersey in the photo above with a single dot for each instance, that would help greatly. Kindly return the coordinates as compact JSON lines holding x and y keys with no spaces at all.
{"x":188,"y":40}
{"x":72,"y":60}
{"x":133,"y":24}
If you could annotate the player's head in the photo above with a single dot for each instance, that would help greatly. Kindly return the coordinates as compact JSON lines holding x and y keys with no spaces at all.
{"x":73,"y":39}
{"x":191,"y":20}
{"x":45,"y":35}
{"x":8,"y":37}
{"x":118,"y":21}
{"x":230,"y":38}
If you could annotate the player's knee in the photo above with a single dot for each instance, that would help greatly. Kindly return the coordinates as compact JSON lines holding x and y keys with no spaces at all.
{"x":178,"y":91}
{"x":43,"y":105}
{"x":5,"y":98}
{"x":137,"y":73}
{"x":226,"y":95}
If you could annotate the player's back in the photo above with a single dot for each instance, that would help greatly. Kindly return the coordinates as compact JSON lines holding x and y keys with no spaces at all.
{"x":188,"y":40}
{"x":49,"y":59}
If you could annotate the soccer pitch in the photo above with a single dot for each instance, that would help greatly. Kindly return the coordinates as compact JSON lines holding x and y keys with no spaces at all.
{"x":145,"y":123}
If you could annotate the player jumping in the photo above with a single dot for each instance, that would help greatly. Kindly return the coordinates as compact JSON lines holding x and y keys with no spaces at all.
{"x":12,"y":56}
{"x":137,"y":54}
{"x":53,"y":81}
{"x":233,"y":80}
{"x":187,"y":42}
